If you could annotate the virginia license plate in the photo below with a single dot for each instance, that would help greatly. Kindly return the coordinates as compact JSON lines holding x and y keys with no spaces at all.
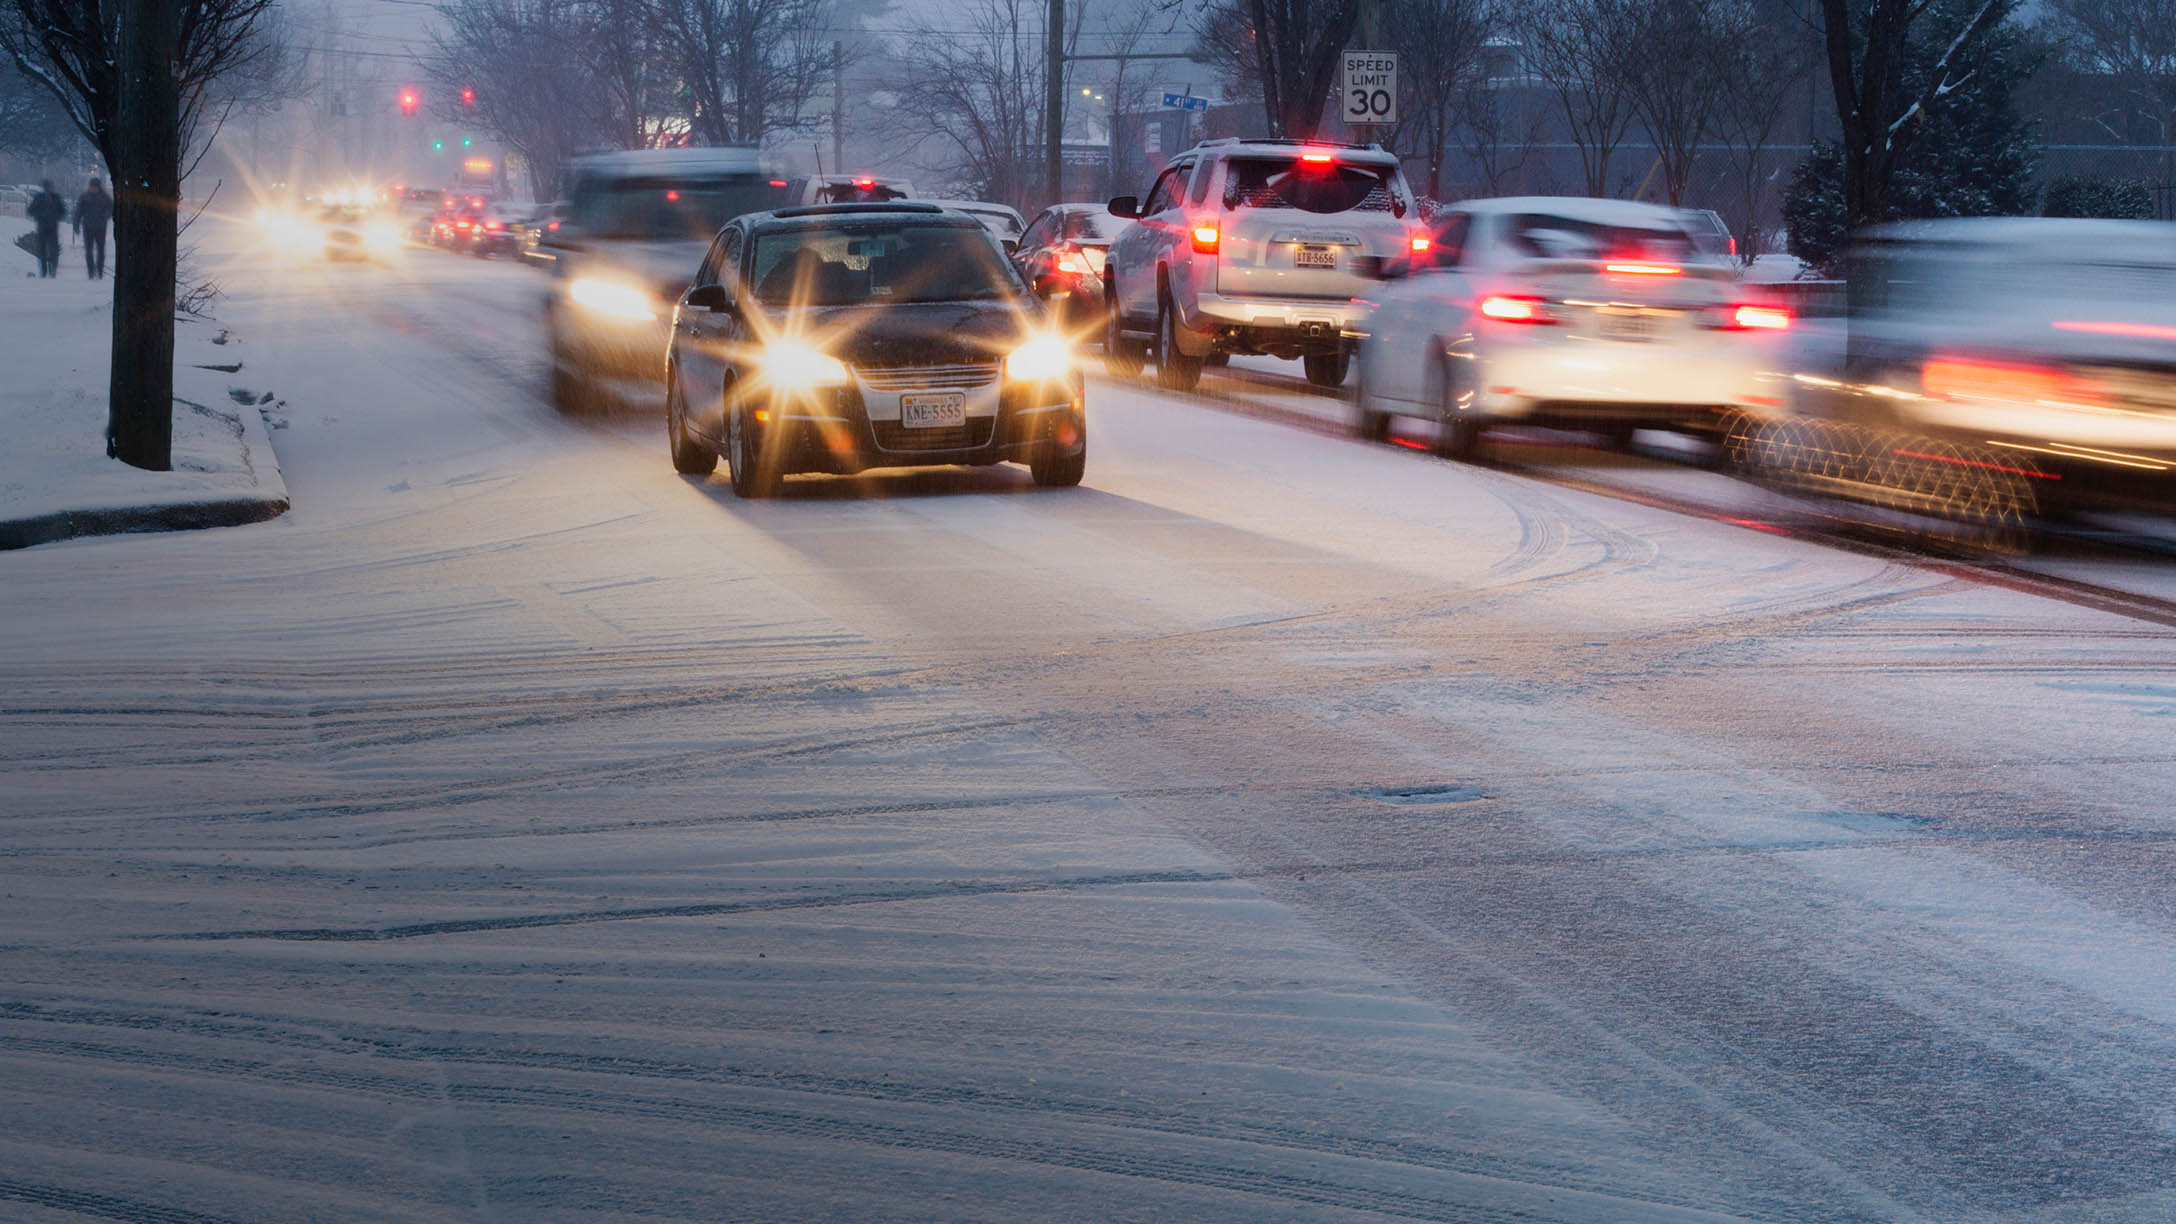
{"x":932,"y":411}
{"x":1628,"y":327}
{"x":1315,"y":257}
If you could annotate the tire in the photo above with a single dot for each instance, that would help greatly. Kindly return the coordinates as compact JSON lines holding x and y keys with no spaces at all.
{"x":1053,"y":469}
{"x":1458,"y":434}
{"x":1617,"y":435}
{"x":752,"y":478}
{"x":1121,"y":357}
{"x":1327,"y":370}
{"x":1175,"y":371}
{"x":691,"y":456}
{"x":1369,"y":423}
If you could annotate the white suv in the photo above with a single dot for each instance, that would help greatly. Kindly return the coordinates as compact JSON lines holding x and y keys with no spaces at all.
{"x":1255,"y":246}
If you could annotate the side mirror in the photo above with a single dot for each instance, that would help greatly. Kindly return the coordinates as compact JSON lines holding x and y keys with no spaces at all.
{"x":1125,"y":206}
{"x":708,"y":297}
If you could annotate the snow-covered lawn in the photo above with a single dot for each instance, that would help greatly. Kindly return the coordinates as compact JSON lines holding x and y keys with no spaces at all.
{"x":53,"y":413}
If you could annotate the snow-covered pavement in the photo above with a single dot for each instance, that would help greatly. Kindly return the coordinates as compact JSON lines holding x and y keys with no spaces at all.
{"x":1276,"y":828}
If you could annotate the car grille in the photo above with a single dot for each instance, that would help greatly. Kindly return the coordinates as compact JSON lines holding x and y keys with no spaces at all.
{"x":893,"y":436}
{"x":928,"y":377}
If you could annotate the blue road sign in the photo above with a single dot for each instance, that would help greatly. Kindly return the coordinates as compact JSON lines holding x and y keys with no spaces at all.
{"x":1185,"y":102}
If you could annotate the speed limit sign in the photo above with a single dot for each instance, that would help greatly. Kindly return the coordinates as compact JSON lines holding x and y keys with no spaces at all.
{"x":1371,"y":87}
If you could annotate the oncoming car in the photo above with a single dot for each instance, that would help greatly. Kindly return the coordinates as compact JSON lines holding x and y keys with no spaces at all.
{"x":1576,"y":313}
{"x":837,"y":338}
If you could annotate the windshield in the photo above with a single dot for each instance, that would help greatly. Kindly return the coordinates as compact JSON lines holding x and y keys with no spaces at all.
{"x":1316,"y":187}
{"x":845,"y":266}
{"x":1570,"y":238}
{"x":670,"y":209}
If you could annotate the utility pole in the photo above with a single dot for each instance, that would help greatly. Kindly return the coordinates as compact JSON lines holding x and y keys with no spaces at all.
{"x":838,"y":105}
{"x":1054,"y":105}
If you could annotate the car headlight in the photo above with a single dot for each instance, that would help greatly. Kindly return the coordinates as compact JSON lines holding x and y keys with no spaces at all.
{"x":1043,"y":359}
{"x":381,"y":236}
{"x":790,"y":365}
{"x":607,"y":297}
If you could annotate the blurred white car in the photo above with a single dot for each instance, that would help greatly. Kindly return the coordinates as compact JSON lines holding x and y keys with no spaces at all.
{"x":2042,"y":347}
{"x":1568,"y":312}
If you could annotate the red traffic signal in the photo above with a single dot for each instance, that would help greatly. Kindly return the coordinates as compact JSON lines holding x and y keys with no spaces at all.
{"x":468,"y":96}
{"x":408,"y":101}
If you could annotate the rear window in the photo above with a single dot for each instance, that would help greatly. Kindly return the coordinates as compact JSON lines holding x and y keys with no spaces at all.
{"x":1316,"y":187}
{"x":665,"y":210}
{"x":877,"y":263}
{"x":1551,"y":237}
{"x":1096,"y":225}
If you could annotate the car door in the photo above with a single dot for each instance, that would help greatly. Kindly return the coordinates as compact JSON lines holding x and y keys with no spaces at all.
{"x":704,"y":338}
{"x":1033,"y":257}
{"x":1147,"y":246}
{"x":1423,"y":315}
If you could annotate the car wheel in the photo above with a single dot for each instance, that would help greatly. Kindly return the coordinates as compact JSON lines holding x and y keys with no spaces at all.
{"x":1053,"y":468}
{"x":691,"y":456}
{"x":1369,"y":423}
{"x":744,"y":457}
{"x":1327,"y":370}
{"x":1121,"y":357}
{"x":1458,"y":423}
{"x":1175,"y":371}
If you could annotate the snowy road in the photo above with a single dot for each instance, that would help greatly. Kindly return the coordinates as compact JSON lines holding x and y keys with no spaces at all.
{"x":1276,"y":828}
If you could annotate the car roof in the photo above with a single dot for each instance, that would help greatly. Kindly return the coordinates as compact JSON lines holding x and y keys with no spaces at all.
{"x":2053,"y":235}
{"x":919,"y":211}
{"x":1265,"y":146}
{"x":1577,"y":208}
{"x":645,"y":163}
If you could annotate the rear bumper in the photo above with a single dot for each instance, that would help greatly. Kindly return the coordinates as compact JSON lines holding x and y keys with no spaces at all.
{"x":1283,"y":327}
{"x":1653,"y":384}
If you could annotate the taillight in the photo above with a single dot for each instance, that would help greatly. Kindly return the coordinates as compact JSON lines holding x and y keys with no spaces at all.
{"x":1420,"y":244}
{"x":1205,"y":239}
{"x":1095,"y":258}
{"x":1508,"y":308}
{"x":1643,"y":269}
{"x":1071,"y":263}
{"x":491,"y":225}
{"x":1963,"y":378}
{"x":1316,"y":159}
{"x":1753,"y":318}
{"x":552,"y":226}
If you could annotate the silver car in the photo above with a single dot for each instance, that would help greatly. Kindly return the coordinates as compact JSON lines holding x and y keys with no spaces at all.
{"x":1255,"y":246}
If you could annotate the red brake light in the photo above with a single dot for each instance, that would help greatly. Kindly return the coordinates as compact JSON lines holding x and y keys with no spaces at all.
{"x":1421,"y":243}
{"x":1643,"y":269}
{"x":1510,"y":309}
{"x":1070,"y":262}
{"x":1318,"y":159}
{"x":865,"y":182}
{"x":1205,"y":239}
{"x":1962,"y":378}
{"x":1759,"y":318}
{"x":674,"y":196}
{"x":778,"y":182}
{"x":552,"y":225}
{"x":2140,"y":331}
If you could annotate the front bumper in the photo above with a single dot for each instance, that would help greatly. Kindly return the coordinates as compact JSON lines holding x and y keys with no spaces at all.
{"x":833,"y":431}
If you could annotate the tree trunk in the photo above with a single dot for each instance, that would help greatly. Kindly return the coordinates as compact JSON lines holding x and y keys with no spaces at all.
{"x":146,"y":170}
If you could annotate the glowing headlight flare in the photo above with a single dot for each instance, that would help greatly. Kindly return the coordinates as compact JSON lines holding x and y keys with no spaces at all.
{"x":1043,"y":359}
{"x":792,"y":365}
{"x":612,"y":298}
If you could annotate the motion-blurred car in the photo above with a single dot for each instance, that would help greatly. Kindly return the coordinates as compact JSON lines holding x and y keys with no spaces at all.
{"x":2040,"y":346}
{"x":494,"y":230}
{"x":847,"y":189}
{"x":354,"y":232}
{"x":1061,"y":257}
{"x":415,"y":208}
{"x":1255,"y":246}
{"x":1710,"y":234}
{"x":533,"y":231}
{"x":1577,"y":313}
{"x":638,"y":223}
{"x":1002,"y":221}
{"x":836,"y":338}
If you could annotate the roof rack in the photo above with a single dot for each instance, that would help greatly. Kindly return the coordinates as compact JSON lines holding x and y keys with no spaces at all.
{"x":1287,"y":140}
{"x":834,"y":210}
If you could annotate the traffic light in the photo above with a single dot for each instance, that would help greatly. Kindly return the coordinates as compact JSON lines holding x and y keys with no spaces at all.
{"x":438,"y":146}
{"x":467,"y":142}
{"x":468,"y":96}
{"x":409,"y":101}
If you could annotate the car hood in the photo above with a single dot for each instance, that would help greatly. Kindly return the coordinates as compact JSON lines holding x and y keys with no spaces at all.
{"x":918,"y":333}
{"x":664,"y":267}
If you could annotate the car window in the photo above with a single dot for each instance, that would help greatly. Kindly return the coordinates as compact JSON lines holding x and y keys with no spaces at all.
{"x":1311,"y":186}
{"x":719,"y":258}
{"x":880,"y":262}
{"x":670,"y":209}
{"x":1098,"y":226}
{"x":1447,"y":246}
{"x":1200,"y":190}
{"x":1041,"y":233}
{"x":1164,"y":194}
{"x":1553,"y":237}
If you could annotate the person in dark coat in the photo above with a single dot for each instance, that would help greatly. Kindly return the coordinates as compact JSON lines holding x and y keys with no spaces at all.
{"x":47,"y":210}
{"x":94,"y":209}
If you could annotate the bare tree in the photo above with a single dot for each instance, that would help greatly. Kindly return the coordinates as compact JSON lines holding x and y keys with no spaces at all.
{"x":1674,"y":94}
{"x":973,"y":99}
{"x":745,"y":65}
{"x":1289,"y":49}
{"x":1763,"y":51}
{"x":1494,"y":126}
{"x":1578,"y":48}
{"x":1439,"y":46}
{"x":139,"y":79}
{"x":518,"y":57}
{"x":2131,"y":45}
{"x":621,"y":53}
{"x":32,"y":123}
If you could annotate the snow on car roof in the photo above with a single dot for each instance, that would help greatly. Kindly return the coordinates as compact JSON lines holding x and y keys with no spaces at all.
{"x":670,"y":161}
{"x":1581,"y":208}
{"x":2050,"y":234}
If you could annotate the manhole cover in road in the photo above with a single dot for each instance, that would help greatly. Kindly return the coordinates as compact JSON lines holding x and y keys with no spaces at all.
{"x":1414,"y":796}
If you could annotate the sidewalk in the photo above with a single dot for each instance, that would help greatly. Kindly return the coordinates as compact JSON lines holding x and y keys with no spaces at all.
{"x":55,"y":479}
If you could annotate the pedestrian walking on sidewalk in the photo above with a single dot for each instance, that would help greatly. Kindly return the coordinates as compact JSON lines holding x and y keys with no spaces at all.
{"x":94,"y":208}
{"x":47,"y":210}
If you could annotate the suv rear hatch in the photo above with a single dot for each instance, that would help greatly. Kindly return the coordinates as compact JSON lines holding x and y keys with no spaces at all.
{"x":1308,"y":223}
{"x":1618,"y":281}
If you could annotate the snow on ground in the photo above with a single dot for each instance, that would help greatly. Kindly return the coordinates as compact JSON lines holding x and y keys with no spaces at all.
{"x":1276,"y":828}
{"x":53,"y":407}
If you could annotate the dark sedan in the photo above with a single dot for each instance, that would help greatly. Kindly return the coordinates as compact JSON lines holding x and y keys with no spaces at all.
{"x":836,"y":338}
{"x":1061,"y":256}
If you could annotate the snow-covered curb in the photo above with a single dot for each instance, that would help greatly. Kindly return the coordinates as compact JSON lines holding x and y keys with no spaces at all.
{"x":56,"y":481}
